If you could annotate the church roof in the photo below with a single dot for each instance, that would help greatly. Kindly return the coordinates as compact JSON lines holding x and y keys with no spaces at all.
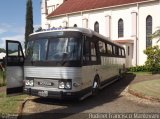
{"x":72,"y":6}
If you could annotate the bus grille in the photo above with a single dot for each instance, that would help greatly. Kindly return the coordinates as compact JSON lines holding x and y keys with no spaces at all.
{"x":49,"y":83}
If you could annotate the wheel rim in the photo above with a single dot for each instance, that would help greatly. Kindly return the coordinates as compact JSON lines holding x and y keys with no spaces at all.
{"x":95,"y":88}
{"x":95,"y":85}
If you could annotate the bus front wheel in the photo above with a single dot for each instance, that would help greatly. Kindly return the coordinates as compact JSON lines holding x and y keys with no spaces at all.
{"x":96,"y":86}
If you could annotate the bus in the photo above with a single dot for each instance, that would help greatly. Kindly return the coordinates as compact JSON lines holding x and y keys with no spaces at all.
{"x":63,"y":63}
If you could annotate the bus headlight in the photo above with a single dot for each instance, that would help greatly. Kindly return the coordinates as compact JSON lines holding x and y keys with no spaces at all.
{"x":61,"y":85}
{"x":29,"y":82}
{"x":65,"y":84}
{"x":68,"y":85}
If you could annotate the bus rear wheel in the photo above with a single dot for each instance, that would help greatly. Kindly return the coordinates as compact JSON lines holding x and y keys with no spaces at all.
{"x":120,"y":74}
{"x":95,"y":87}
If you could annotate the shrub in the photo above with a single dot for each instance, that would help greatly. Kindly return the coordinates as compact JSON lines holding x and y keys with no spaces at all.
{"x":139,"y":69}
{"x":152,"y":63}
{"x":153,"y":58}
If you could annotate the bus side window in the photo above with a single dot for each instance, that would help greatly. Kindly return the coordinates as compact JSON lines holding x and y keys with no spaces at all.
{"x":93,"y":52}
{"x":86,"y":51}
{"x":123,"y":53}
{"x":109,"y":49}
{"x":102,"y":47}
{"x":119,"y":52}
{"x":113,"y":50}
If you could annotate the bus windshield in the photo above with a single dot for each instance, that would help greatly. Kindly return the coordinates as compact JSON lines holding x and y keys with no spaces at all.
{"x":53,"y":49}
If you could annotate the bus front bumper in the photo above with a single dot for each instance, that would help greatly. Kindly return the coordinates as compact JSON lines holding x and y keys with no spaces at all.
{"x":56,"y":94}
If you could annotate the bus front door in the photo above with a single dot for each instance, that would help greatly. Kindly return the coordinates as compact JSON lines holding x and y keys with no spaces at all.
{"x":14,"y":67}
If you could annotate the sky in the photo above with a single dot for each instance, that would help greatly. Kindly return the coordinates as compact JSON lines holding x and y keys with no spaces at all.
{"x":12,"y":19}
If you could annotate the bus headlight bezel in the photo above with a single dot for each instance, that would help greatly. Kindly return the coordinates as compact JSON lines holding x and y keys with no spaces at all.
{"x":29,"y":83}
{"x":68,"y":85}
{"x":61,"y":85}
{"x":65,"y":84}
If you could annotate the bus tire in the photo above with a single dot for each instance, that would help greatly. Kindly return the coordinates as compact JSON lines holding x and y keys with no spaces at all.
{"x":95,"y":86}
{"x":120,"y":74}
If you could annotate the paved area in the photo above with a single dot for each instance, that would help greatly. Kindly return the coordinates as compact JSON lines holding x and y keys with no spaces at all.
{"x":112,"y":99}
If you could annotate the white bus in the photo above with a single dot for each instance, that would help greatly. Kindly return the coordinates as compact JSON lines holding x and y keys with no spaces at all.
{"x":63,"y":63}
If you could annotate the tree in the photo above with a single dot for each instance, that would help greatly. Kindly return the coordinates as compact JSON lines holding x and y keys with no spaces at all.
{"x":156,"y":34}
{"x":2,"y":50}
{"x":29,"y":20}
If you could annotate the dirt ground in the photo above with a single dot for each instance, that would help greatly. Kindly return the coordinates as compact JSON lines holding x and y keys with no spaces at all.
{"x":113,"y":99}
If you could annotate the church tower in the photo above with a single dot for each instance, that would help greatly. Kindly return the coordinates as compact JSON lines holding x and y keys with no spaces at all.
{"x":47,"y":7}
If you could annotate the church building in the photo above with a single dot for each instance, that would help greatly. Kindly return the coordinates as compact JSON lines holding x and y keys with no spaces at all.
{"x":128,"y":22}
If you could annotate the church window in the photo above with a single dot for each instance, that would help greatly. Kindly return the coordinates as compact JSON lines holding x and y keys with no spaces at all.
{"x":120,"y":28}
{"x":75,"y":25}
{"x":148,"y":31}
{"x":96,"y":27}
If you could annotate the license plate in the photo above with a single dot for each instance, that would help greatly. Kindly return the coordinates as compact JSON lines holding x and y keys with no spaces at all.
{"x":43,"y":93}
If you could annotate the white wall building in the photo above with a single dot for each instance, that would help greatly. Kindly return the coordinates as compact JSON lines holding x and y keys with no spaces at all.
{"x":124,"y":21}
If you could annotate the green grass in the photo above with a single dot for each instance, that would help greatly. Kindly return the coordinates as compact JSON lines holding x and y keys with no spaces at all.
{"x":10,"y":104}
{"x":149,"y":88}
{"x":141,"y":73}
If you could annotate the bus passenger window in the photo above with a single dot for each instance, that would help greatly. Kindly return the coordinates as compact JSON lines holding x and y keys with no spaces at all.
{"x":109,"y":49}
{"x":120,"y":51}
{"x":114,"y":50}
{"x":102,"y":47}
{"x":86,"y":51}
{"x":93,"y":52}
{"x":123,"y":54}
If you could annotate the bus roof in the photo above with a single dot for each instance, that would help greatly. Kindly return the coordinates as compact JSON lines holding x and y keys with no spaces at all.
{"x":87,"y":32}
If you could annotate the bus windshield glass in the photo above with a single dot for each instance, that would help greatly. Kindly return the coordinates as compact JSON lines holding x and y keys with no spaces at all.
{"x":54,"y":49}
